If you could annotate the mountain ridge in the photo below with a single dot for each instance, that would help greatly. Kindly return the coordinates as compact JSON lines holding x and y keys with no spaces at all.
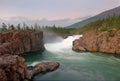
{"x":42,"y":22}
{"x":103,"y":15}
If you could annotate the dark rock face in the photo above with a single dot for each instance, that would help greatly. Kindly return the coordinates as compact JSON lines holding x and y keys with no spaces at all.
{"x":42,"y":68}
{"x":21,"y":42}
{"x":12,"y":68}
{"x":98,"y":42}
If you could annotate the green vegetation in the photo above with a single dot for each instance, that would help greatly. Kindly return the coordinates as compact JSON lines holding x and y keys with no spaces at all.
{"x":59,"y":30}
{"x":35,"y":28}
{"x":111,"y":24}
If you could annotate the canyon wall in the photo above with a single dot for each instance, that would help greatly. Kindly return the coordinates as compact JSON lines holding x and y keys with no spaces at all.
{"x":20,"y":42}
{"x":106,"y":42}
{"x":12,"y":44}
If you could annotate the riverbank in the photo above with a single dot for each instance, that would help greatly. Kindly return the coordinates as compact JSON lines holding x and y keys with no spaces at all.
{"x":75,"y":66}
{"x":100,"y":36}
{"x":104,"y":42}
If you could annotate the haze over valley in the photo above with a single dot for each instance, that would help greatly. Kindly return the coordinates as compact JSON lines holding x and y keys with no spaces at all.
{"x":62,"y":13}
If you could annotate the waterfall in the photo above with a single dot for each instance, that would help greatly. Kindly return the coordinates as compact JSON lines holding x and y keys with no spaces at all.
{"x":62,"y":46}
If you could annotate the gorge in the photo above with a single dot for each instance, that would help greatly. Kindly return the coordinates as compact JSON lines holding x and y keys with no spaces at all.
{"x":82,"y":66}
{"x":59,"y":40}
{"x":74,"y":66}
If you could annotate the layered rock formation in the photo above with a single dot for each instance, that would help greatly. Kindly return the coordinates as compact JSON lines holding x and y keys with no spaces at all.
{"x":106,"y":42}
{"x":21,"y":42}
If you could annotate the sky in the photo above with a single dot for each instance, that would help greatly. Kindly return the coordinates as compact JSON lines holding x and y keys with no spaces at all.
{"x":54,"y":9}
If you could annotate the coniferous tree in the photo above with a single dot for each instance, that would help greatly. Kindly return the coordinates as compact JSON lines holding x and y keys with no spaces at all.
{"x":27,"y":28}
{"x":32,"y":28}
{"x":24,"y":26}
{"x":4,"y":27}
{"x":9,"y":26}
{"x":12,"y":27}
{"x":18,"y":27}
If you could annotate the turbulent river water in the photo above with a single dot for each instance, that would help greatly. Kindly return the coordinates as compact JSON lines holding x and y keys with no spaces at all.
{"x":83,"y":66}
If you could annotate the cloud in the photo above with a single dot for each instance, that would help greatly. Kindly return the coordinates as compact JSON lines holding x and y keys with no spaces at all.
{"x":54,"y":9}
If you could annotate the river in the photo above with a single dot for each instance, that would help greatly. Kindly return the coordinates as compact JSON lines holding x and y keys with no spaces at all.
{"x":82,"y":66}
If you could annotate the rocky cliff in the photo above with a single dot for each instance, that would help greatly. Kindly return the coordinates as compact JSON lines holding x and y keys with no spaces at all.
{"x":106,"y":42}
{"x":12,"y":66}
{"x":21,"y":42}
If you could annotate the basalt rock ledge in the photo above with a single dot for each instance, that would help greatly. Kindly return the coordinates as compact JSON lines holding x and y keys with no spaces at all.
{"x":105,"y":42}
{"x":19,"y":42}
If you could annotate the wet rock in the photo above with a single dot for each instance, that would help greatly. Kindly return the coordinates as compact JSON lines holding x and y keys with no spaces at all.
{"x":42,"y":68}
{"x":14,"y":68}
{"x":77,"y":46}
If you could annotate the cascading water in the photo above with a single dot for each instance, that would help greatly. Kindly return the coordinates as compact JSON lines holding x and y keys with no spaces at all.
{"x":62,"y":46}
{"x":84,"y":66}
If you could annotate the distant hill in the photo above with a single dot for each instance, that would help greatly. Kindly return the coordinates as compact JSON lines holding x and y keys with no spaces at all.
{"x":106,"y":14}
{"x":41,"y":22}
{"x":111,"y":25}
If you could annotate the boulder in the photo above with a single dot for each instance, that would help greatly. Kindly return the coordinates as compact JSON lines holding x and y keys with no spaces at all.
{"x":42,"y":68}
{"x":14,"y":68}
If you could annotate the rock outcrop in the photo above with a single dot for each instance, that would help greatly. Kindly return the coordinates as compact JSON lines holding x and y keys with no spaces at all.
{"x":41,"y":68}
{"x":12,"y":68}
{"x":106,"y":42}
{"x":20,"y":42}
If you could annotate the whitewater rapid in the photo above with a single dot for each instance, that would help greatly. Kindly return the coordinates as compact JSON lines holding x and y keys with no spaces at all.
{"x":75,"y":66}
{"x":62,"y":46}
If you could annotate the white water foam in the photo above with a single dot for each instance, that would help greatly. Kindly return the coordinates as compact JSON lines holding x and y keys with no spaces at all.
{"x":62,"y":46}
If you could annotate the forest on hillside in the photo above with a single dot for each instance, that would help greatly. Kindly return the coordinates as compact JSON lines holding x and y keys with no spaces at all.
{"x":111,"y":24}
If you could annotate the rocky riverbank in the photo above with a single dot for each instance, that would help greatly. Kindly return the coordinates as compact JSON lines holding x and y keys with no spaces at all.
{"x":106,"y":42}
{"x":13,"y":44}
{"x":14,"y":68}
{"x":41,"y":68}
